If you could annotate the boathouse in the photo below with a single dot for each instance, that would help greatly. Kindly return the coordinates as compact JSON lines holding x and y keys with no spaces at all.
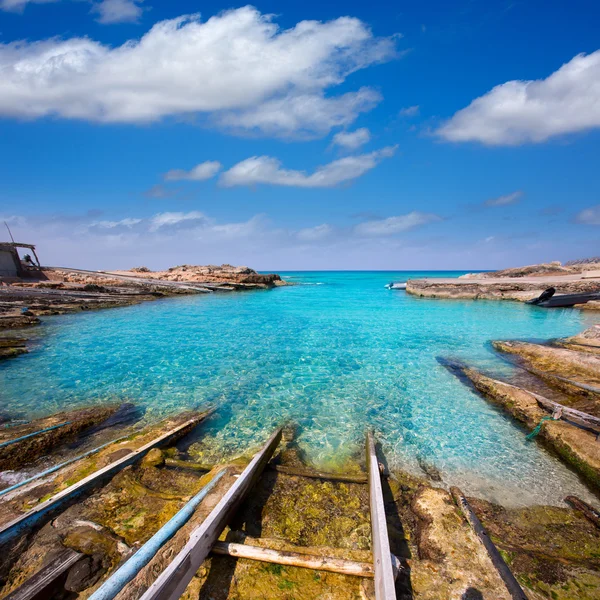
{"x":11,"y":264}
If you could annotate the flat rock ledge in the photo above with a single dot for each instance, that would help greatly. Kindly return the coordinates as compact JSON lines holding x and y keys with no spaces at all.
{"x":500,"y":289}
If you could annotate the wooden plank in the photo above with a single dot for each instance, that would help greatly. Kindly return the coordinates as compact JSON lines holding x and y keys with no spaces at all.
{"x":385,"y":588}
{"x":172,"y":582}
{"x":42,"y":585}
{"x":295,"y":559}
{"x":44,"y":509}
{"x":512,"y":585}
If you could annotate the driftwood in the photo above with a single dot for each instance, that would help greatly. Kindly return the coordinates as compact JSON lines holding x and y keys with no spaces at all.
{"x":588,"y":511}
{"x":43,"y":584}
{"x":512,"y":585}
{"x":385,"y":587}
{"x":172,"y":582}
{"x":295,"y":559}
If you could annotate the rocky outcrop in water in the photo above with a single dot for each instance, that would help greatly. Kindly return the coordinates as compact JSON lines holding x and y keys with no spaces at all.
{"x":520,"y":284}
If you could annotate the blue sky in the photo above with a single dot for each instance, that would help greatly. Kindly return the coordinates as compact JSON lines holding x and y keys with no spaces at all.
{"x":457,"y":134}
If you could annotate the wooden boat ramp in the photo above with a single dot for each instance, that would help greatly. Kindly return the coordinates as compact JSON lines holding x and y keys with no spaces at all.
{"x":134,"y":518}
{"x":180,"y":545}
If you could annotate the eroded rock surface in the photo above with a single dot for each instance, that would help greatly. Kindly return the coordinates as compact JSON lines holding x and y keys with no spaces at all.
{"x":580,"y":367}
{"x":453,"y":563}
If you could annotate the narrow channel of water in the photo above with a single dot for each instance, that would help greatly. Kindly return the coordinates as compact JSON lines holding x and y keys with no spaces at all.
{"x":335,"y":354}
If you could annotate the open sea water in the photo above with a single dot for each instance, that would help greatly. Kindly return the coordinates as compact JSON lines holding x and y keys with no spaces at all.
{"x":335,"y":354}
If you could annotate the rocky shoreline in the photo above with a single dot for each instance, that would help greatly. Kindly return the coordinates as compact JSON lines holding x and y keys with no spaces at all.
{"x":519,"y":284}
{"x":62,"y":291}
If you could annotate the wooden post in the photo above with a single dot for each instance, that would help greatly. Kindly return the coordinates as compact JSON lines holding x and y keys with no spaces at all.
{"x":172,"y":582}
{"x":385,"y":588}
{"x":512,"y":585}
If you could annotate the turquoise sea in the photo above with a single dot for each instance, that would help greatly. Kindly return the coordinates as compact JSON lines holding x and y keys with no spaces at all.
{"x":335,"y":354}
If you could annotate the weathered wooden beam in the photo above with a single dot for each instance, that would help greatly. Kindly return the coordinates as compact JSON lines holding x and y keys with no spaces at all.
{"x":385,"y":587}
{"x":45,"y":509}
{"x":172,"y":582}
{"x":571,"y":414}
{"x":319,"y":474}
{"x":587,"y":509}
{"x":42,"y":585}
{"x":512,"y":585}
{"x":295,"y":559}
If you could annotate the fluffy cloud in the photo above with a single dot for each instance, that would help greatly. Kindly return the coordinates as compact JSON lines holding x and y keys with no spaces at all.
{"x":352,"y":139}
{"x":519,"y":112}
{"x":394,"y":225}
{"x":205,"y":170}
{"x":268,"y":170}
{"x":238,"y":68}
{"x":118,"y":11}
{"x":504,"y":200}
{"x":589,"y":216}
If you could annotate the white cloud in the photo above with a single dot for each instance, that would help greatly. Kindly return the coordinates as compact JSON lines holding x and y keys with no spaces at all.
{"x":504,"y":200}
{"x":170,"y":220}
{"x":352,"y":139}
{"x":410,"y":111}
{"x":319,"y":232}
{"x":519,"y":112}
{"x":205,"y":170}
{"x":268,"y":170}
{"x":118,"y":11}
{"x":237,"y":68}
{"x":130,"y":222}
{"x":393,"y":225}
{"x":589,"y":216}
{"x":19,"y":5}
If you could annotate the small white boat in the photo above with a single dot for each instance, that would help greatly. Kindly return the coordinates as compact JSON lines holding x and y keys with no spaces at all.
{"x":396,"y":285}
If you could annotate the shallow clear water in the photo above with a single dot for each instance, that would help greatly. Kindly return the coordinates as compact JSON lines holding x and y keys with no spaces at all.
{"x":335,"y":354}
